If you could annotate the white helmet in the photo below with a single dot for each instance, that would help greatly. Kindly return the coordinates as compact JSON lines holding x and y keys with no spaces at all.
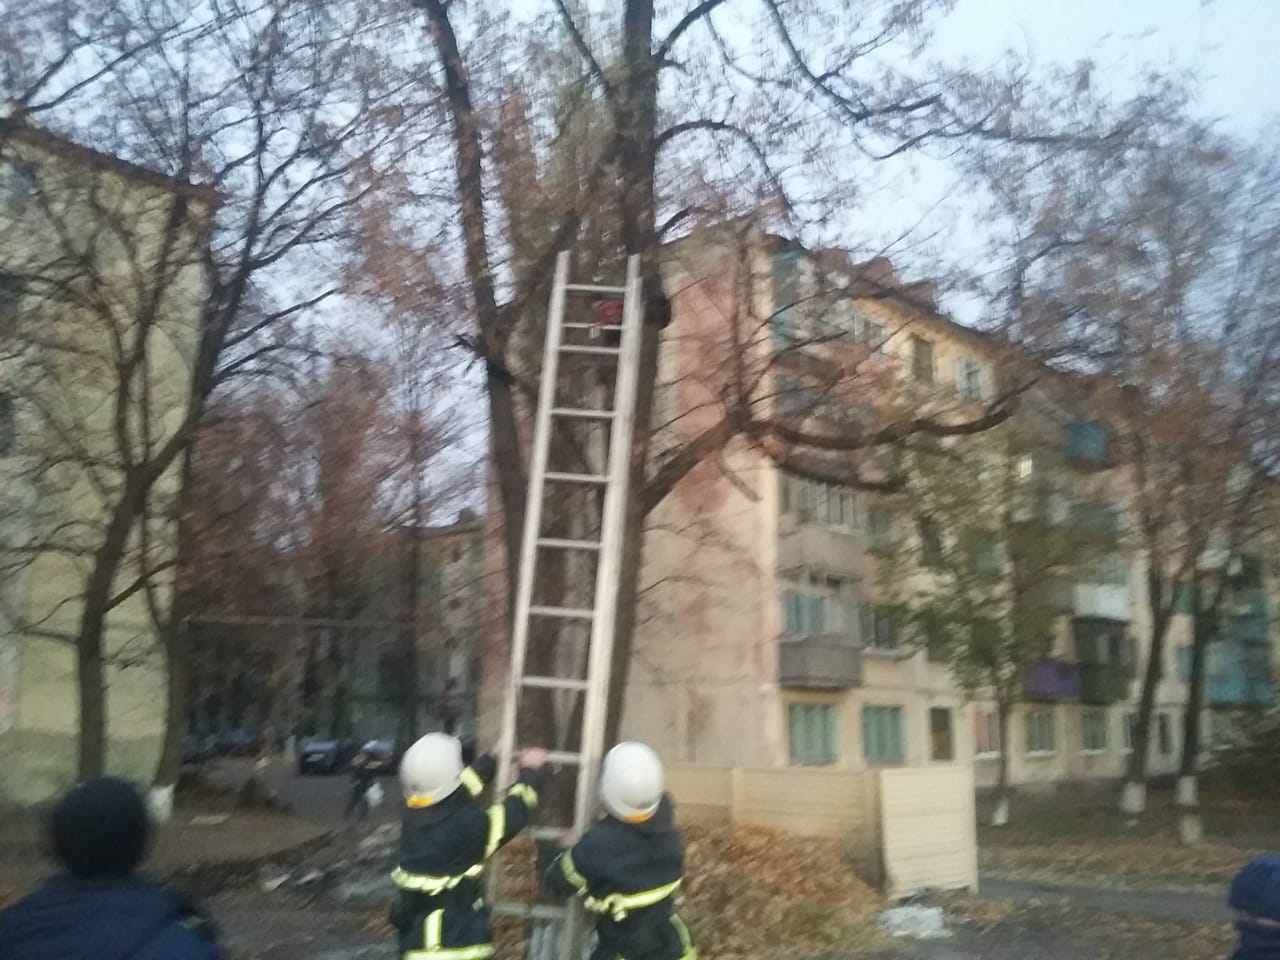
{"x":631,"y":784}
{"x":431,"y":769}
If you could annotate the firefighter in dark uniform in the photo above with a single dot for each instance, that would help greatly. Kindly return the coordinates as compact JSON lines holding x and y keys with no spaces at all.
{"x":629,"y":865}
{"x":445,"y":839}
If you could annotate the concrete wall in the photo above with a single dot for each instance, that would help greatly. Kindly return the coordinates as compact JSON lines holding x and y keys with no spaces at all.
{"x":929,"y":829}
{"x":914,"y":828}
{"x":824,"y":803}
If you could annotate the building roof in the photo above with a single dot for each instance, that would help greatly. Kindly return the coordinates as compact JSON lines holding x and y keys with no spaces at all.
{"x":17,"y":128}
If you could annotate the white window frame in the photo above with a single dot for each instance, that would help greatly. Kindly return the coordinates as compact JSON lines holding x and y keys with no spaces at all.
{"x":969,"y":372}
{"x":1053,"y":729}
{"x":1097,"y":713}
{"x":991,"y":720}
{"x":832,"y":708}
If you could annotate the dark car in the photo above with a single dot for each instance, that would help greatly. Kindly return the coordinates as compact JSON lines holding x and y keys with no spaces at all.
{"x":236,"y":743}
{"x":320,"y":756}
{"x":382,"y":756}
{"x":197,"y":749}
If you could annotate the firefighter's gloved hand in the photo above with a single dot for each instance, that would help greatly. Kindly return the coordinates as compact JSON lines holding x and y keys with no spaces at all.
{"x":535,"y":758}
{"x":485,"y":767}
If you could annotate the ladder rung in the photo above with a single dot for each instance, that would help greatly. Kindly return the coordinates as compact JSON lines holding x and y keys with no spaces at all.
{"x":529,"y":911}
{"x":578,"y":477}
{"x":554,"y":683}
{"x":581,"y":413}
{"x":556,"y":543}
{"x":565,"y":613}
{"x":549,"y":833}
{"x":564,"y":757}
{"x":592,"y":351}
{"x":607,"y":327}
{"x":593,"y":288}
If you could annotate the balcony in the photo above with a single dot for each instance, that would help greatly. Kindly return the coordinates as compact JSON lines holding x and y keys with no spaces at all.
{"x":824,"y":662}
{"x":1051,"y":680}
{"x":1103,"y":683}
{"x":1239,"y":675}
{"x":806,"y":545}
{"x":1102,"y":600}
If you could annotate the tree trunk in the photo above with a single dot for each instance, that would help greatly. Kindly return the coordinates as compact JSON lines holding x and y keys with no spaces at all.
{"x":179,"y":673}
{"x":410,"y":695}
{"x":1133,"y":800}
{"x":637,"y":114}
{"x":89,"y":677}
{"x":90,"y":667}
{"x":1000,"y":814}
{"x":1202,"y":633}
{"x":1190,"y":826}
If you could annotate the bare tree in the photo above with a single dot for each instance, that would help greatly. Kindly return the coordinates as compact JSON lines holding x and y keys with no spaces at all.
{"x":293,"y":114}
{"x":654,"y":161}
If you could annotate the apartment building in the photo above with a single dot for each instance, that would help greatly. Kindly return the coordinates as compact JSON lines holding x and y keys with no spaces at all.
{"x":762,"y":643}
{"x":97,"y":255}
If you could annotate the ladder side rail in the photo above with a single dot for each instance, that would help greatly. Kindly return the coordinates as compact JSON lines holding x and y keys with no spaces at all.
{"x":533,"y":515}
{"x":600,"y":647}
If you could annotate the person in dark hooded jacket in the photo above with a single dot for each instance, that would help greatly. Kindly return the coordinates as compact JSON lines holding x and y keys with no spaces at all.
{"x":99,"y":908}
{"x":628,"y":867}
{"x":1255,"y":896}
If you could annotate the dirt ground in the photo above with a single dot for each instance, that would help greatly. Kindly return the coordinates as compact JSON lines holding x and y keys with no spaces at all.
{"x":1084,"y":840}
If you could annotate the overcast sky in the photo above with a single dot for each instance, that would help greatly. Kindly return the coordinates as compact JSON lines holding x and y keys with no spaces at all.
{"x":1232,"y":42}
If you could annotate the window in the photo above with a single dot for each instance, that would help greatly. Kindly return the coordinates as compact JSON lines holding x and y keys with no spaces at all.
{"x":940,"y":744}
{"x":879,"y":525}
{"x":1111,"y":570}
{"x":1129,"y":730}
{"x":969,"y":379}
{"x":786,"y":291}
{"x":1093,"y":731}
{"x":874,"y":333}
{"x":986,"y":734}
{"x":803,"y":614}
{"x":930,"y":542}
{"x":821,"y":503}
{"x":8,"y":427}
{"x":1040,"y":732}
{"x":17,"y":187}
{"x":921,"y":360}
{"x":1026,"y":467}
{"x":879,"y":631}
{"x":984,"y":555}
{"x":882,"y":740}
{"x":1164,"y":734}
{"x":812,"y":729}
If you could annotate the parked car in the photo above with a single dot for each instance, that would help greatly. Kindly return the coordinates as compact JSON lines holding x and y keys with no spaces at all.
{"x":383,"y":757}
{"x":197,"y":749}
{"x":320,"y":756}
{"x":237,"y":743}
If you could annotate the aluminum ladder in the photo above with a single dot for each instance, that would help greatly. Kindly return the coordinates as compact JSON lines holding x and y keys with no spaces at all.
{"x":613,"y":349}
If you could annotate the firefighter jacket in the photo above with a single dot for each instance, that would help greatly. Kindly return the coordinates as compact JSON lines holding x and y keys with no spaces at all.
{"x":628,"y":875}
{"x":439,"y":911}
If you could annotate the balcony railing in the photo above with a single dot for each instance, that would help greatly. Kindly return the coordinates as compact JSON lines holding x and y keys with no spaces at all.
{"x":1051,"y":680}
{"x":825,"y":662}
{"x":1104,"y":683}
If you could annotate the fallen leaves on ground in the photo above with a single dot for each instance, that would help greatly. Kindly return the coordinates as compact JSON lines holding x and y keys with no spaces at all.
{"x":749,"y":892}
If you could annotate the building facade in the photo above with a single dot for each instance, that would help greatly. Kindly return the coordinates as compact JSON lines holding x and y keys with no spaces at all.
{"x":100,"y":278}
{"x":761,"y":643}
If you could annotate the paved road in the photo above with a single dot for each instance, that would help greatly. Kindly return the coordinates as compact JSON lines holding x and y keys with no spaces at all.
{"x":1155,"y":904}
{"x":319,"y":798}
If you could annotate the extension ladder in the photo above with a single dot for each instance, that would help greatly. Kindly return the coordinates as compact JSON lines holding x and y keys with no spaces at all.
{"x":609,"y":349}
